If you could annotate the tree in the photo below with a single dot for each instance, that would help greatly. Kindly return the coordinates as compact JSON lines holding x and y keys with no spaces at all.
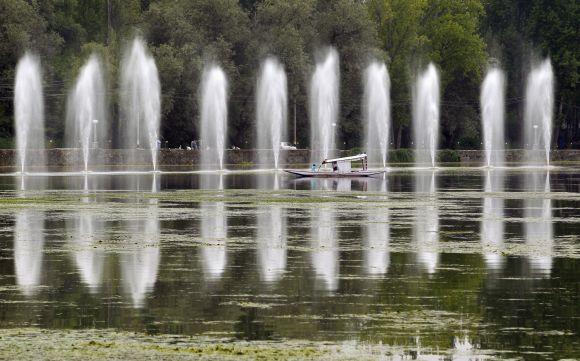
{"x":522,"y":31}
{"x":455,"y":45}
{"x":185,"y":35}
{"x":23,"y":28}
{"x":443,"y":31}
{"x":398,"y":25}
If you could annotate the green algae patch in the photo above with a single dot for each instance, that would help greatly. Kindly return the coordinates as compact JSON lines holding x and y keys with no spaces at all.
{"x":108,"y":344}
{"x":40,"y":344}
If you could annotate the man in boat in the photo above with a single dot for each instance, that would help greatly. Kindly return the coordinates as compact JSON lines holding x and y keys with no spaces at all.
{"x":313,"y":168}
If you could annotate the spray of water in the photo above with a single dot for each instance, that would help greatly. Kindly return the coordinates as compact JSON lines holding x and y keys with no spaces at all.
{"x":492,"y":220}
{"x":86,"y":123}
{"x":140,"y":99}
{"x":538,"y":114}
{"x":426,"y":116}
{"x":272,"y":105}
{"x":377,"y":111}
{"x":324,"y":89}
{"x":214,"y":116}
{"x":492,"y":116}
{"x":29,"y":113}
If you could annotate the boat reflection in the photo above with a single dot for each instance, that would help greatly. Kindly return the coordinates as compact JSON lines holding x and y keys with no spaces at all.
{"x":426,"y":226}
{"x":271,"y":237}
{"x":331,"y":184}
{"x":376,"y":241}
{"x":85,"y":229}
{"x":492,"y":224}
{"x":538,"y":221}
{"x":214,"y":228}
{"x":140,"y":265}
{"x":28,"y":247}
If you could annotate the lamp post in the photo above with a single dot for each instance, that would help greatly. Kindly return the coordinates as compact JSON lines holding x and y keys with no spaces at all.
{"x":138,"y":131}
{"x":95,"y":142}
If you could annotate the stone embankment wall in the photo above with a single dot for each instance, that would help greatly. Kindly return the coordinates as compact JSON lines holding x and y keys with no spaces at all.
{"x":169,"y":158}
{"x":517,"y":156}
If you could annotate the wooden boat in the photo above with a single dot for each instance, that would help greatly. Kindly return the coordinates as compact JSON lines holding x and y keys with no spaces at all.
{"x":341,"y":168}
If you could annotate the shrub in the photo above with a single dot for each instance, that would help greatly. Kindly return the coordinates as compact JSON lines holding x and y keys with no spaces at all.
{"x":402,"y":155}
{"x":6,"y":143}
{"x":448,"y":156}
{"x":355,"y":151}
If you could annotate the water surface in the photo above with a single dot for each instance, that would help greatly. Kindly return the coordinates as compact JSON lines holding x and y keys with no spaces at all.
{"x":415,"y":257}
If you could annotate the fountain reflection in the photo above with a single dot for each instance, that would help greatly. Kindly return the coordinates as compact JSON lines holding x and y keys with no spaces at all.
{"x":28,"y":245}
{"x":426,"y":227}
{"x":271,"y":237}
{"x":492,"y":225}
{"x":214,"y":229}
{"x":271,"y":242}
{"x":324,"y":238}
{"x":34,"y":183}
{"x":86,"y":228}
{"x":538,"y":221}
{"x":139,"y":266}
{"x":376,"y":254}
{"x":465,"y":350}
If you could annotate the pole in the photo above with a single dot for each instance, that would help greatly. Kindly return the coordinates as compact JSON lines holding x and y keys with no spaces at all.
{"x":138,"y":130}
{"x":295,"y":141}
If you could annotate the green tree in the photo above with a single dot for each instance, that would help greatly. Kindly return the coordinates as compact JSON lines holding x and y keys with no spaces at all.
{"x":345,"y":25}
{"x":521,"y":31}
{"x":412,"y":33}
{"x":23,"y":28}
{"x":285,"y":29}
{"x":398,"y":24}
{"x":185,"y":35}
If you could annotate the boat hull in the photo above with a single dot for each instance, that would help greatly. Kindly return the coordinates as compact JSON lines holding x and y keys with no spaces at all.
{"x":353,"y":174}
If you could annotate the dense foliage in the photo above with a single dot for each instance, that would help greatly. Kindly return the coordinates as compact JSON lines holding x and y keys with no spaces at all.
{"x":461,"y":37}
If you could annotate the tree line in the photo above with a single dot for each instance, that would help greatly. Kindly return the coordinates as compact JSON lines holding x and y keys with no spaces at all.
{"x":462,"y":37}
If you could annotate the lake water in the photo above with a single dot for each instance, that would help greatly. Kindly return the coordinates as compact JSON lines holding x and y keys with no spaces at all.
{"x":455,"y":258}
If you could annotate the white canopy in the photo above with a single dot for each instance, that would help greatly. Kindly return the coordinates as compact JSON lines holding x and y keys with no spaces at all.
{"x":346,"y":159}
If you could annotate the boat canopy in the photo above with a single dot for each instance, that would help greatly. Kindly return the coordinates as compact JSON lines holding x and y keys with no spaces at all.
{"x":343,"y":165}
{"x":352,"y":158}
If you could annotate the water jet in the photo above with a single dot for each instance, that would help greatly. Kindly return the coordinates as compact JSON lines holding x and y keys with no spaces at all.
{"x":377,"y":112}
{"x":324,"y":106}
{"x":271,"y":105}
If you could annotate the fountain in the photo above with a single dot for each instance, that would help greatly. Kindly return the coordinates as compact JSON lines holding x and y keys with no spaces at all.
{"x":376,"y":257}
{"x":377,"y":112}
{"x":140,"y":101}
{"x":29,"y":113}
{"x":324,"y":106}
{"x":492,"y":222}
{"x":271,"y":105}
{"x":140,"y":263}
{"x":271,"y":235}
{"x":492,"y":115}
{"x":538,"y":227}
{"x":214,"y":231}
{"x":324,"y":244}
{"x":538,"y":114}
{"x":426,"y":226}
{"x":426,"y":117}
{"x":86,"y":230}
{"x":271,"y":242}
{"x":214,"y":116}
{"x":28,"y":250}
{"x":86,"y":123}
